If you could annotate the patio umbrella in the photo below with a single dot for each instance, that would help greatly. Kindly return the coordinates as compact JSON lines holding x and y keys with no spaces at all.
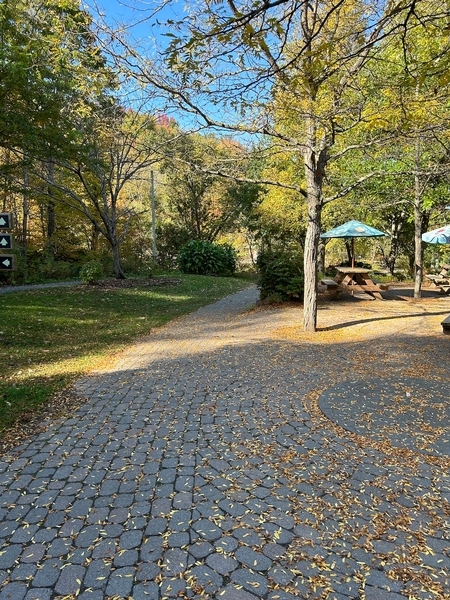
{"x":353,"y":229}
{"x":438,"y":236}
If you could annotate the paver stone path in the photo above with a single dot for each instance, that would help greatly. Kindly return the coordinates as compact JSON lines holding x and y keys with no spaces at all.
{"x":230,"y":456}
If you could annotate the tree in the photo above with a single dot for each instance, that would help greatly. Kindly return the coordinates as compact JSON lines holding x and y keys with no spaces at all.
{"x":424,"y":100}
{"x":410,"y":94}
{"x":289,"y":70}
{"x":52,"y":75}
{"x":281,"y":211}
{"x":49,"y":67}
{"x":203,"y":204}
{"x":123,"y":145}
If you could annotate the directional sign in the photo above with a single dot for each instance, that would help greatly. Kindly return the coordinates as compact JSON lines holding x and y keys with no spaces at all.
{"x":6,"y":240}
{"x":7,"y":262}
{"x":6,"y":220}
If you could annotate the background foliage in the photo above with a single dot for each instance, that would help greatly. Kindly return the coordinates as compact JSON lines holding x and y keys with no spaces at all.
{"x":200,"y":257}
{"x":80,"y":152}
{"x":281,"y":275}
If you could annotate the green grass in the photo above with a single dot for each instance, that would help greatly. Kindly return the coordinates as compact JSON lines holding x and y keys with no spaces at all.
{"x":50,"y":337}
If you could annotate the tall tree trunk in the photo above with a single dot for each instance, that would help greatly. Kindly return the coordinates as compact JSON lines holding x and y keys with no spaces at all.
{"x":118,"y":269}
{"x":310,"y":265}
{"x":396,"y":226}
{"x":108,"y":211}
{"x":5,"y":186}
{"x":93,"y":240}
{"x":51,"y":228}
{"x":51,"y":217}
{"x":315,"y":161}
{"x":25,"y":216}
{"x":418,"y":252}
{"x":348,"y":248}
{"x":321,"y":260}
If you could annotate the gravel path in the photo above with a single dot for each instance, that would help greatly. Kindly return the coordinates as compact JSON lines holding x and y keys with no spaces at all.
{"x":229,"y":455}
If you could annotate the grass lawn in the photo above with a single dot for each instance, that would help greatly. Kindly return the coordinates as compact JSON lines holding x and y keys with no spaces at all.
{"x":50,"y":337}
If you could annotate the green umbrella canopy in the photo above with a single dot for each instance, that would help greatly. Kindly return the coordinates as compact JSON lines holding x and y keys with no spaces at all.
{"x":353,"y":229}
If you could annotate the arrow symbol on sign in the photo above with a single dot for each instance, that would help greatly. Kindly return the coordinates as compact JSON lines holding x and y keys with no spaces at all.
{"x":2,"y":221}
{"x":6,"y":262}
{"x":4,"y":242}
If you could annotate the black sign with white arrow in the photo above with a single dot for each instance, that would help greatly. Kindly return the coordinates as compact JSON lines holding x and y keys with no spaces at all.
{"x":7,"y":262}
{"x":6,"y":221}
{"x":6,"y":240}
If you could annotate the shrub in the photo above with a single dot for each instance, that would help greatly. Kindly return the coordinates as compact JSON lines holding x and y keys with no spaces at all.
{"x":170,"y":239}
{"x":227,"y":258}
{"x":39,"y":267}
{"x":91,"y":272}
{"x":198,"y":257}
{"x":132,"y":266}
{"x":50,"y":269}
{"x":280,"y":276}
{"x":358,"y":263}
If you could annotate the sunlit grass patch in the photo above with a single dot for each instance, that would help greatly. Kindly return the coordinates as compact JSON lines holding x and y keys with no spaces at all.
{"x":50,"y":337}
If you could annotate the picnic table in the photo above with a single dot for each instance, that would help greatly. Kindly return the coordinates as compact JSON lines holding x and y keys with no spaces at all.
{"x":442,"y":280}
{"x":357,"y":279}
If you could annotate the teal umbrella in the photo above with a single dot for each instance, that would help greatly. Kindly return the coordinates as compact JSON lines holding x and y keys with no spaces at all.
{"x":351,"y":230}
{"x":438,"y":236}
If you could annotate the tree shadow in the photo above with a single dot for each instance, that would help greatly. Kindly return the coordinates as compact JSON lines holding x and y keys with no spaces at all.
{"x":375,"y":319}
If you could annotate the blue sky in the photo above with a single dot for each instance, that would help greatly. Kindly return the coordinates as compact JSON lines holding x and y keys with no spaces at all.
{"x":146,"y":37}
{"x":115,"y":9}
{"x":132,"y":11}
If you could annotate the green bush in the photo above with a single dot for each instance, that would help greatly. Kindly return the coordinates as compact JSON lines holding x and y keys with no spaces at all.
{"x":280,"y":276}
{"x":198,"y":257}
{"x":91,"y":272}
{"x":104,"y":257}
{"x":39,"y":267}
{"x":358,"y":263}
{"x":170,"y":239}
{"x":228,"y":259}
{"x":134,"y":267}
{"x":56,"y":270}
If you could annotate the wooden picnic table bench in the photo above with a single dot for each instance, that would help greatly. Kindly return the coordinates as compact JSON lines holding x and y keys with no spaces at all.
{"x":441,"y":281}
{"x":333,"y":289}
{"x":329,"y":283}
{"x":353,"y":280}
{"x":446,"y":325}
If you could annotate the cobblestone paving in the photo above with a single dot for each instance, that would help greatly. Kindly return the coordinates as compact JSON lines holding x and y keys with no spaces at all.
{"x":201,"y":467}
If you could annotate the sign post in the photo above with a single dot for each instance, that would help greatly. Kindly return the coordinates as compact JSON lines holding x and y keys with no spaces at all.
{"x":7,"y":261}
{"x":6,"y":240}
{"x":6,"y":221}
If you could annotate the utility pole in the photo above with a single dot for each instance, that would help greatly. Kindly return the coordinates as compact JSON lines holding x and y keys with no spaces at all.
{"x":152,"y":194}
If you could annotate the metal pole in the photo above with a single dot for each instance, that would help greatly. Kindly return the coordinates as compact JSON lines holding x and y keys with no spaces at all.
{"x":152,"y":194}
